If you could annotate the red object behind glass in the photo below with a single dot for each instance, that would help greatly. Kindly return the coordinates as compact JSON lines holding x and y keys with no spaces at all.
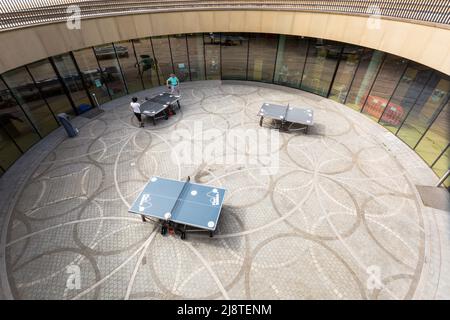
{"x":376,"y":105}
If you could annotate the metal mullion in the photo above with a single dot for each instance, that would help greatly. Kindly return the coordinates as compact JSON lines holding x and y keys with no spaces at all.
{"x":155,"y":60}
{"x":12,"y":139}
{"x":21,"y":108}
{"x":433,"y":120}
{"x":374,"y":80}
{"x":393,"y":92}
{"x":137,"y":63}
{"x":83,"y":83}
{"x":41,"y":94}
{"x":276,"y":58}
{"x":353,"y":79}
{"x":335,"y":70}
{"x":220,"y":54}
{"x":101,"y":73}
{"x":415,"y":102}
{"x":170,"y":51}
{"x":304,"y":63}
{"x":440,"y":155}
{"x":188,"y":58}
{"x":63,"y":85}
{"x":204,"y":54}
{"x":120,"y":68}
{"x":248,"y":55}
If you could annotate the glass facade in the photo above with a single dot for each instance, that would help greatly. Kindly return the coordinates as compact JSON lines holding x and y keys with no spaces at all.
{"x":261,"y":57}
{"x":408,"y":99}
{"x":234,"y":56}
{"x":320,"y":66}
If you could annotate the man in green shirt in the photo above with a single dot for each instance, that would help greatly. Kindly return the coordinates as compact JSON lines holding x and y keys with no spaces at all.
{"x":173,"y":84}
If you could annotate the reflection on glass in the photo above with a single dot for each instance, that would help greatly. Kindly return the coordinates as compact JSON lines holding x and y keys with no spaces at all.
{"x":110,"y":68}
{"x":234,"y":56}
{"x":427,"y":107}
{"x":344,"y":75}
{"x":290,"y":60}
{"x":405,"y":96}
{"x":50,"y":87}
{"x":15,"y":125}
{"x":94,"y":79}
{"x":146,"y":62}
{"x":8,"y":150}
{"x":163,"y":58}
{"x":320,"y":66}
{"x":382,"y":90}
{"x":441,"y":166}
{"x":29,"y":97}
{"x":72,"y":80}
{"x":196,"y":59}
{"x":129,"y":66}
{"x":262,"y":54}
{"x":178,"y":47}
{"x":364,"y":77}
{"x":437,"y":137}
{"x":212,"y":56}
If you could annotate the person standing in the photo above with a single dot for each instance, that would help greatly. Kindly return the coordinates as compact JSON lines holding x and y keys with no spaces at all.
{"x":173,"y":84}
{"x":136,"y":108}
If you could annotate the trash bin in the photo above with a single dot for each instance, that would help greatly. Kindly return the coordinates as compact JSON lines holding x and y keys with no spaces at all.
{"x":70,"y":129}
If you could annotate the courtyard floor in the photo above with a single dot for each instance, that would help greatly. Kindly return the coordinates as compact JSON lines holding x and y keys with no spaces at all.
{"x":338,"y":216}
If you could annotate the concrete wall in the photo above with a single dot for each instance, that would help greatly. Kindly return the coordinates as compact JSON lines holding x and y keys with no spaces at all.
{"x":426,"y":44}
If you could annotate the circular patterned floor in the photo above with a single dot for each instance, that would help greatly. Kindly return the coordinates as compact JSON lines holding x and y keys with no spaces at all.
{"x":338,"y":219}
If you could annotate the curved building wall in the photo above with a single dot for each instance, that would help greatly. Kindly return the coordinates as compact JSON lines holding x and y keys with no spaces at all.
{"x":409,"y":99}
{"x":424,"y":43}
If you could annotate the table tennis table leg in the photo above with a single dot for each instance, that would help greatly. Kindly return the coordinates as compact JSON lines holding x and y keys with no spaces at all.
{"x":143,"y":218}
{"x":211,"y":234}
{"x":178,"y":103}
{"x":183,"y":233}
{"x":154,"y":120}
{"x":261,"y":121}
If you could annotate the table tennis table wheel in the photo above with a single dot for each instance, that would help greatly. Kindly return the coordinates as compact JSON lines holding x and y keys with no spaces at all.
{"x":183,"y":235}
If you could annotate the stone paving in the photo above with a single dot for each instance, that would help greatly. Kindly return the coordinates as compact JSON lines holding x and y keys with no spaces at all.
{"x":339,"y":218}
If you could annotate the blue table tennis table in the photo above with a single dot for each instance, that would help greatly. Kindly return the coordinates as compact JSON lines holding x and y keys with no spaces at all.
{"x":180,"y":205}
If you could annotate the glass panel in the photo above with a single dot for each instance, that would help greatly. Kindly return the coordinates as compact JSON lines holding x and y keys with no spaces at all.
{"x":346,"y":70}
{"x":72,"y":80}
{"x":234,"y":56}
{"x":50,"y":86}
{"x":23,"y":88}
{"x":364,"y":77}
{"x":129,"y":66}
{"x":320,"y":65}
{"x":178,"y":47}
{"x":442,"y":165}
{"x":94,"y":79}
{"x":385,"y":84}
{"x":425,"y":110}
{"x":408,"y":90}
{"x":163,"y":59}
{"x":436,"y":138}
{"x":196,"y":58}
{"x":8,"y":150}
{"x":146,"y":61}
{"x":212,"y":56}
{"x":262,"y":54}
{"x":14,"y":122}
{"x":111,"y":69}
{"x":290,"y":60}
